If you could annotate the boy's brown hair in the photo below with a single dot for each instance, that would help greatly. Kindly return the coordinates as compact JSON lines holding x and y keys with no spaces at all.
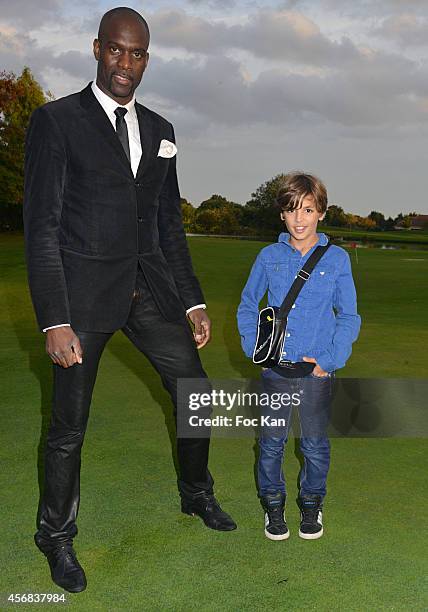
{"x":297,"y":186}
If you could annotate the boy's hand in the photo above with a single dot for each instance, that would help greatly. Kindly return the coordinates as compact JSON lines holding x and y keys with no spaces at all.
{"x":317,"y":371}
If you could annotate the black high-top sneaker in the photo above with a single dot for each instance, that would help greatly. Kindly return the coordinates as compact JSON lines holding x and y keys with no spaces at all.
{"x":275,"y":525}
{"x":310,"y":517}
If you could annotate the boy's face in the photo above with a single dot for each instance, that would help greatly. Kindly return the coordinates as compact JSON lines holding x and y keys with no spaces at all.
{"x":302,"y":222}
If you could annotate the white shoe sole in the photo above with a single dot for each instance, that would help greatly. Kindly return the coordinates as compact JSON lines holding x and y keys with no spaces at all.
{"x":282,"y":536}
{"x":311,"y":536}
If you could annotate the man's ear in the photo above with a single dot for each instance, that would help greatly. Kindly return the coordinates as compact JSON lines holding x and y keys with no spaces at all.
{"x":96,"y":49}
{"x":322,"y":218}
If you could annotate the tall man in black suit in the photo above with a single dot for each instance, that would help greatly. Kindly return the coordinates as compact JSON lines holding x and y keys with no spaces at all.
{"x":106,"y":250}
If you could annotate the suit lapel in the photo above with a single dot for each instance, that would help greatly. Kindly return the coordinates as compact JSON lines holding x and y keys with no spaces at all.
{"x":99,"y":120}
{"x":146,"y":136}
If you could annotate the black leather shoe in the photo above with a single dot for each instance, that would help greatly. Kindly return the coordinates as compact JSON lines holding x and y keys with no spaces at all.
{"x":66,"y":571}
{"x":207,"y":507}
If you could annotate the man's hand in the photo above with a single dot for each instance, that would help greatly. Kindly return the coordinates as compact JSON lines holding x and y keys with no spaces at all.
{"x":202,"y":326}
{"x":63,"y":346}
{"x":317,"y":371}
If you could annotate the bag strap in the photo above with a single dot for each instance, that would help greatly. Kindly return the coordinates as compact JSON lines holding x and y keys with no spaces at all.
{"x":302,"y":276}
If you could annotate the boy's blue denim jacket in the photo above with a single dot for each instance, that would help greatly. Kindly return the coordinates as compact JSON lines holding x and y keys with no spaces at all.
{"x":323,"y":323}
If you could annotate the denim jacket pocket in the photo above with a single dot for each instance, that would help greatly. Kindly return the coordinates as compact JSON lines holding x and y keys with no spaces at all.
{"x":277,"y":274}
{"x":322,"y":280}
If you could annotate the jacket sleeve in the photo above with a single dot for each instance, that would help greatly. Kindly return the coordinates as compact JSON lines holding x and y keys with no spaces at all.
{"x":248,"y":309}
{"x":173,"y":241}
{"x":45,"y":168}
{"x":348,"y":321}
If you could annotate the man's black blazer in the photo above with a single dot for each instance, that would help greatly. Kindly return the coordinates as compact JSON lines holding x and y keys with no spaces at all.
{"x":88,"y":222}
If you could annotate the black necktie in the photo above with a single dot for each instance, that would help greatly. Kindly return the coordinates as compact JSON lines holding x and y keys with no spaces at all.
{"x":122,"y":130}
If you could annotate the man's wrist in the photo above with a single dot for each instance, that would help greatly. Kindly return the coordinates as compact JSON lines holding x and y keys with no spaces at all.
{"x":55,"y":326}
{"x":204,"y":306}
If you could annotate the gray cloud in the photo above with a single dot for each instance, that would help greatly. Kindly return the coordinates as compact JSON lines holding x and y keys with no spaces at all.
{"x":32,"y":14}
{"x":388,"y":93}
{"x":356,"y":88}
{"x":407,"y":30}
{"x":20,"y":12}
{"x":19,"y":50}
{"x":364,"y":8}
{"x":75,"y":63}
{"x":282,"y":35}
{"x":214,"y":4}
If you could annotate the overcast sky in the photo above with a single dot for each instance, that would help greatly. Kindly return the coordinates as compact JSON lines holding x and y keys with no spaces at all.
{"x":334,"y":87}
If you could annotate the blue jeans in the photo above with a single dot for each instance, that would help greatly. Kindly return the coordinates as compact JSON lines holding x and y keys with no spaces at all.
{"x":311,"y":395}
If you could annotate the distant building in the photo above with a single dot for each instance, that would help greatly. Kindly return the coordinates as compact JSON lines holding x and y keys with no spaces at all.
{"x":419,"y":222}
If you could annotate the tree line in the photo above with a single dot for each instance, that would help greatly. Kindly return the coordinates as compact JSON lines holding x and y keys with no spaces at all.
{"x":260,"y":217}
{"x":21,"y":95}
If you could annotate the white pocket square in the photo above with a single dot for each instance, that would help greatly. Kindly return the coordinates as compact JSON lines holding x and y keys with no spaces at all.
{"x":167,"y":149}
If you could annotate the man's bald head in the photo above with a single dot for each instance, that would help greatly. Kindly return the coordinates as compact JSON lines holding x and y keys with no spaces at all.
{"x":123,"y":14}
{"x":121,"y":51}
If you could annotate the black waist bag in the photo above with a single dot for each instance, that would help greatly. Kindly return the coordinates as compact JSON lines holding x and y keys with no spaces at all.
{"x":272,"y":321}
{"x":270,"y":337}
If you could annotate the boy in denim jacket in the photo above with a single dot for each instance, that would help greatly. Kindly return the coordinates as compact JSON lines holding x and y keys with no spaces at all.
{"x":321,"y":327}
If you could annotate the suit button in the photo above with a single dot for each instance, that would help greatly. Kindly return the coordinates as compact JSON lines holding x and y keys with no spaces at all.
{"x":137,"y":184}
{"x":140,"y":219}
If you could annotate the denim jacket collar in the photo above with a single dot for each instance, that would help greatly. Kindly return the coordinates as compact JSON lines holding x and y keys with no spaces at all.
{"x":284,"y":237}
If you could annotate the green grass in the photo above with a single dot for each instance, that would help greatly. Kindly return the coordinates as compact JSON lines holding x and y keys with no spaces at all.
{"x":405,"y":236}
{"x":139,"y":552}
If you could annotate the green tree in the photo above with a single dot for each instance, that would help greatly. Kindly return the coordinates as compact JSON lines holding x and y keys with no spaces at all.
{"x":218,"y":221}
{"x":215,"y":202}
{"x":19,"y":96}
{"x":189,"y":214}
{"x":365,"y":223}
{"x":207,"y":222}
{"x":336,"y":217}
{"x":229,"y":220}
{"x":389,"y":223}
{"x":260,"y":213}
{"x":378,"y":218}
{"x":217,"y":215}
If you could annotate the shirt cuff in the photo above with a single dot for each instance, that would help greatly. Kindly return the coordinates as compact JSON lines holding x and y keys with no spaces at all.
{"x":55,"y":326}
{"x":195,"y":307}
